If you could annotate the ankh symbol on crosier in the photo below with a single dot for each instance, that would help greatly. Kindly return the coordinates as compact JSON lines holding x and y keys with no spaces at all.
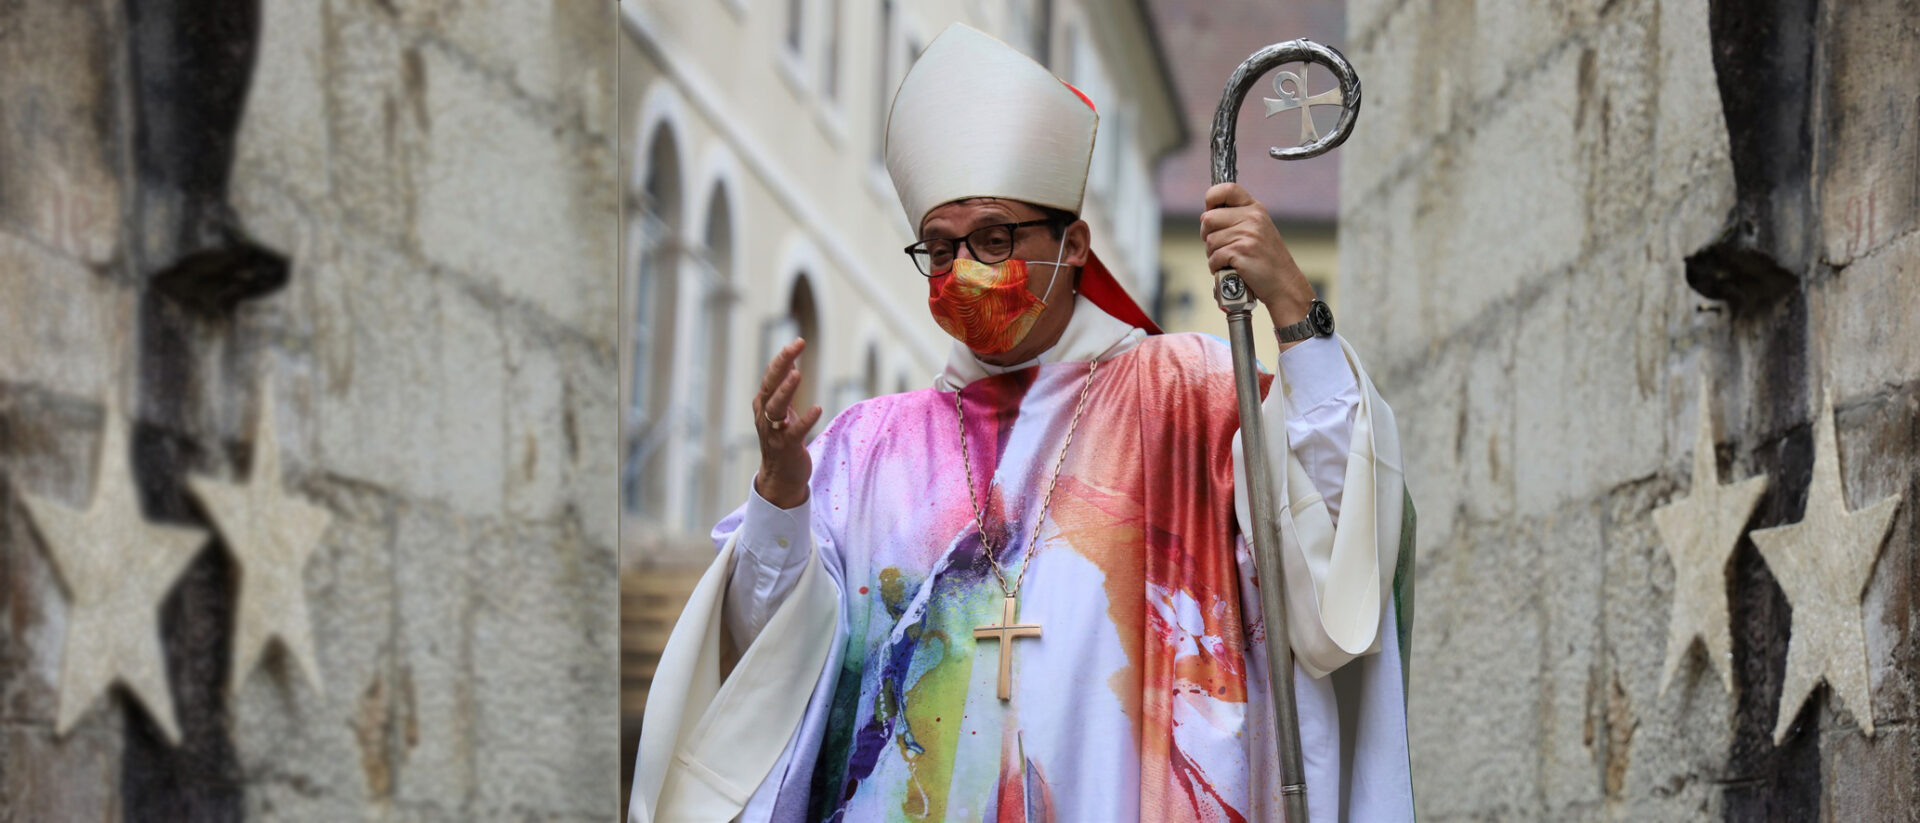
{"x":1291,"y":98}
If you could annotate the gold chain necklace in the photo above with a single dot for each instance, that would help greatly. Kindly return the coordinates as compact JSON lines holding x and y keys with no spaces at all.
{"x":1046,"y":503}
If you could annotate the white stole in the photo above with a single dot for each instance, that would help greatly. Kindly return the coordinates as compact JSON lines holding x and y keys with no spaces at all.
{"x":706,"y":744}
{"x":1337,"y":581}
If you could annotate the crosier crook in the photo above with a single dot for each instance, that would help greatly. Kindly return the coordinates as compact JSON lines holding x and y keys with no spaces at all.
{"x":1231,"y":292}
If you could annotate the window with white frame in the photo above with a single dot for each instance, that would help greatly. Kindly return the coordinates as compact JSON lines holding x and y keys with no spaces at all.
{"x":707,"y":384}
{"x":796,"y":32}
{"x":654,"y":294}
{"x":830,"y":55}
{"x":884,"y":77}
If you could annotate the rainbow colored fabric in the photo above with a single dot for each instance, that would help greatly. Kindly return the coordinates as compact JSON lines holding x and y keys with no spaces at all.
{"x":1145,"y":696}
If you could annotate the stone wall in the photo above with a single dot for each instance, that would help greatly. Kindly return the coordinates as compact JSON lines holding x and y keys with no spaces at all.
{"x":1519,"y":204}
{"x":439,"y":180}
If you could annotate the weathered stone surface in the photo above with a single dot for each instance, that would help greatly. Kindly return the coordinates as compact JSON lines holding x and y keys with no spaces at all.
{"x":46,"y":449}
{"x":1880,"y":445}
{"x":1475,"y":732}
{"x":548,"y":241}
{"x":438,"y":589}
{"x":444,"y":387}
{"x":374,"y":93}
{"x":1517,"y":210}
{"x":1670,"y":764}
{"x":1510,"y":205}
{"x":592,"y":456}
{"x":60,"y":169}
{"x":1587,"y":722}
{"x":558,"y":55}
{"x":61,"y":780}
{"x":537,"y":451}
{"x":1690,"y":131}
{"x":1869,"y":189}
{"x":1876,"y":779}
{"x":284,"y":135}
{"x":76,"y":328}
{"x":321,"y":756}
{"x":553,"y":621}
{"x":1865,"y":321}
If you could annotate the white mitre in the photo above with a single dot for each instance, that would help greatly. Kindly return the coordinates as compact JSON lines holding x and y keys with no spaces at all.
{"x":976,"y":118}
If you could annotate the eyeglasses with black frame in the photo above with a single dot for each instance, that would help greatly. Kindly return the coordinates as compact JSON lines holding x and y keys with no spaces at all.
{"x":990,"y":245}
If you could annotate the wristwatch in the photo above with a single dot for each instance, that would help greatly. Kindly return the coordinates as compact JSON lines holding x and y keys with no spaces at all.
{"x":1319,"y":323}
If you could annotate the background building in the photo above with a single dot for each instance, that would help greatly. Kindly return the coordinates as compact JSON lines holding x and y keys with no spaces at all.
{"x":758,"y":208}
{"x":1557,"y":219}
{"x":1211,"y":39}
{"x":391,"y":226}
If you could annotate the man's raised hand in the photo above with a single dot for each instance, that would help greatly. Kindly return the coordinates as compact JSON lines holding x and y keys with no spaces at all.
{"x":785,"y":466}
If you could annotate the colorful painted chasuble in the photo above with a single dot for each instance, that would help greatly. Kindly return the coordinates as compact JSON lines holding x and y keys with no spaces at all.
{"x":1144,"y":698}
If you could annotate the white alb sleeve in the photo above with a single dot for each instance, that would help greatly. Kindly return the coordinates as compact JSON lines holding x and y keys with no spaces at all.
{"x":1319,"y":394}
{"x":766,"y":563}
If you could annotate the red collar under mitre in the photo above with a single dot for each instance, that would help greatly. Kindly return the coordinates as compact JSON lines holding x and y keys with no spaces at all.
{"x":1098,"y":285}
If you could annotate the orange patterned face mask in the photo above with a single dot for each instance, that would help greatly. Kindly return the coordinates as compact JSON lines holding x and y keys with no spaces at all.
{"x":987,"y":307}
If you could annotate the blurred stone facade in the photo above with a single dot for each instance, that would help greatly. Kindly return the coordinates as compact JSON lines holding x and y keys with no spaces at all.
{"x":438,"y":178}
{"x":1531,"y":189}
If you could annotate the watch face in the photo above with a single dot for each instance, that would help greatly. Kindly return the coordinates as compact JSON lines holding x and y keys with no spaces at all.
{"x":1322,"y":318}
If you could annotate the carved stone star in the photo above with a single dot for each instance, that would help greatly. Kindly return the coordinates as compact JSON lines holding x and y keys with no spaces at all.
{"x":271,"y":535}
{"x":116,"y":567}
{"x":1823,"y":564}
{"x":1700,"y":533}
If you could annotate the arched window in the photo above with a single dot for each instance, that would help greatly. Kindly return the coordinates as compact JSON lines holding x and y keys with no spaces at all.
{"x":870,"y":377}
{"x":653,"y":232}
{"x":805,"y":316}
{"x":708,"y":381}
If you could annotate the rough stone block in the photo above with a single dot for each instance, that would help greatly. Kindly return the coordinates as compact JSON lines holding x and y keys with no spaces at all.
{"x":1587,"y":725}
{"x":68,"y":779}
{"x":1879,"y":448}
{"x":542,"y":439}
{"x":376,"y":120}
{"x":1411,"y":69}
{"x":1677,"y":743}
{"x":1588,"y":413}
{"x":1512,"y":206}
{"x":437,"y":591}
{"x":1485,"y":443}
{"x":284,"y":133}
{"x":559,"y":624}
{"x":1616,"y":120}
{"x":60,"y":131}
{"x":1863,"y":319}
{"x":1511,"y":37}
{"x":1474,"y":718}
{"x":377,"y":319}
{"x":66,"y":328}
{"x":327,"y":756}
{"x":511,"y":199}
{"x":1869,"y":182}
{"x":558,"y":54}
{"x":1876,"y":779}
{"x":1540,"y":412}
{"x":48,"y":451}
{"x":590,"y":424}
{"x":1690,"y":128}
{"x":468,"y":413}
{"x":1429,"y":402}
{"x":1365,"y":16}
{"x":1383,"y":275}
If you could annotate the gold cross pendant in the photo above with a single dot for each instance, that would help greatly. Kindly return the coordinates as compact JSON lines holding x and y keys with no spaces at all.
{"x":1005,"y":633}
